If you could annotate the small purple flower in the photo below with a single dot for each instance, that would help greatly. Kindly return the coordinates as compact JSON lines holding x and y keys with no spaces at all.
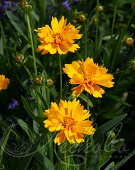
{"x":9,"y":4}
{"x":76,"y":0}
{"x":13,"y":104}
{"x":66,"y":5}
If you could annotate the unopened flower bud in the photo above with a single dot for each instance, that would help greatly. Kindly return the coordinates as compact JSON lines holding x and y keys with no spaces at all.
{"x":95,"y":19}
{"x":19,"y":58}
{"x":101,"y":9}
{"x":133,"y":4}
{"x":25,"y":6}
{"x":50,"y":82}
{"x":133,"y":68}
{"x":132,"y":64}
{"x":38,"y":80}
{"x":73,"y":21}
{"x":110,"y":134}
{"x":81,"y":18}
{"x":129,"y":41}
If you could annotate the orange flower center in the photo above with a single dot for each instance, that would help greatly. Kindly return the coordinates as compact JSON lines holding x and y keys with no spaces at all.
{"x":68,"y":122}
{"x":57,"y":38}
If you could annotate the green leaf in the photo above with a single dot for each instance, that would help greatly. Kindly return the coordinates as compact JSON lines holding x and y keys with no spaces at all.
{"x":119,"y":164}
{"x":26,"y":106}
{"x":84,"y":97}
{"x":33,"y":13}
{"x":4,"y":142}
{"x":26,"y":160}
{"x":117,"y":99}
{"x":42,"y":98}
{"x":45,"y":162}
{"x":100,"y":38}
{"x":64,"y":92}
{"x":106,"y":57}
{"x":105,"y":127}
{"x":109,"y":167}
{"x":1,"y":46}
{"x":16,"y":23}
{"x":29,"y":131}
{"x":27,"y":46}
{"x":27,"y":88}
{"x":108,"y":151}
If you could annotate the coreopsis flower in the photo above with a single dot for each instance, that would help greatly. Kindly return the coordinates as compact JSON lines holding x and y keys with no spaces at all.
{"x":3,"y":82}
{"x":58,"y":39}
{"x":68,"y":118}
{"x":89,"y":76}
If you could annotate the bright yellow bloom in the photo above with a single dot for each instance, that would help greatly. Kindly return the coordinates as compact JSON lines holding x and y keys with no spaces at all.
{"x":89,"y":76}
{"x":68,"y":118}
{"x":60,"y":38}
{"x":3,"y":82}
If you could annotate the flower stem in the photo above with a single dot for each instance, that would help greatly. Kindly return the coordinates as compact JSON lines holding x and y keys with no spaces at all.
{"x":129,"y":21}
{"x":97,"y":23}
{"x":50,"y":147}
{"x":60,"y":76}
{"x":32,"y":45}
{"x":114,"y":16}
{"x":86,"y":150}
{"x":85,"y":39}
{"x":65,"y":159}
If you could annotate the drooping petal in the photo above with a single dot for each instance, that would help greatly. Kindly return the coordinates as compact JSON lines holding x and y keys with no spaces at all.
{"x":60,"y":138}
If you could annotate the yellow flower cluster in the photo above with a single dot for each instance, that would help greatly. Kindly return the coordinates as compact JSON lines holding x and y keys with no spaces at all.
{"x":69,"y":118}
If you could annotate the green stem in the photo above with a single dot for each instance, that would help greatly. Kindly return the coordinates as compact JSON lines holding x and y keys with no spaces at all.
{"x":32,"y":45}
{"x":129,"y":21}
{"x":114,"y":16}
{"x":65,"y":159}
{"x":38,"y":104}
{"x":86,"y":150}
{"x":85,"y":39}
{"x":28,"y":72}
{"x":4,"y":42}
{"x":50,"y":149}
{"x":44,"y":8}
{"x":87,"y":101}
{"x":116,"y":85}
{"x":60,"y":76}
{"x":97,"y":23}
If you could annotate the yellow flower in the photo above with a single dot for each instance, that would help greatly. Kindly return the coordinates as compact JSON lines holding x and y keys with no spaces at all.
{"x":60,"y":38}
{"x":89,"y":76}
{"x":3,"y":82}
{"x":68,"y":118}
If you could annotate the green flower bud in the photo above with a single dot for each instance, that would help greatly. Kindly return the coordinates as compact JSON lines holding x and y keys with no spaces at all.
{"x":101,"y":9}
{"x":25,"y":6}
{"x":19,"y":58}
{"x":73,"y":21}
{"x":110,"y":134}
{"x":81,"y":18}
{"x":50,"y":82}
{"x":95,"y":20}
{"x":132,"y":64}
{"x":129,"y":41}
{"x":38,"y":80}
